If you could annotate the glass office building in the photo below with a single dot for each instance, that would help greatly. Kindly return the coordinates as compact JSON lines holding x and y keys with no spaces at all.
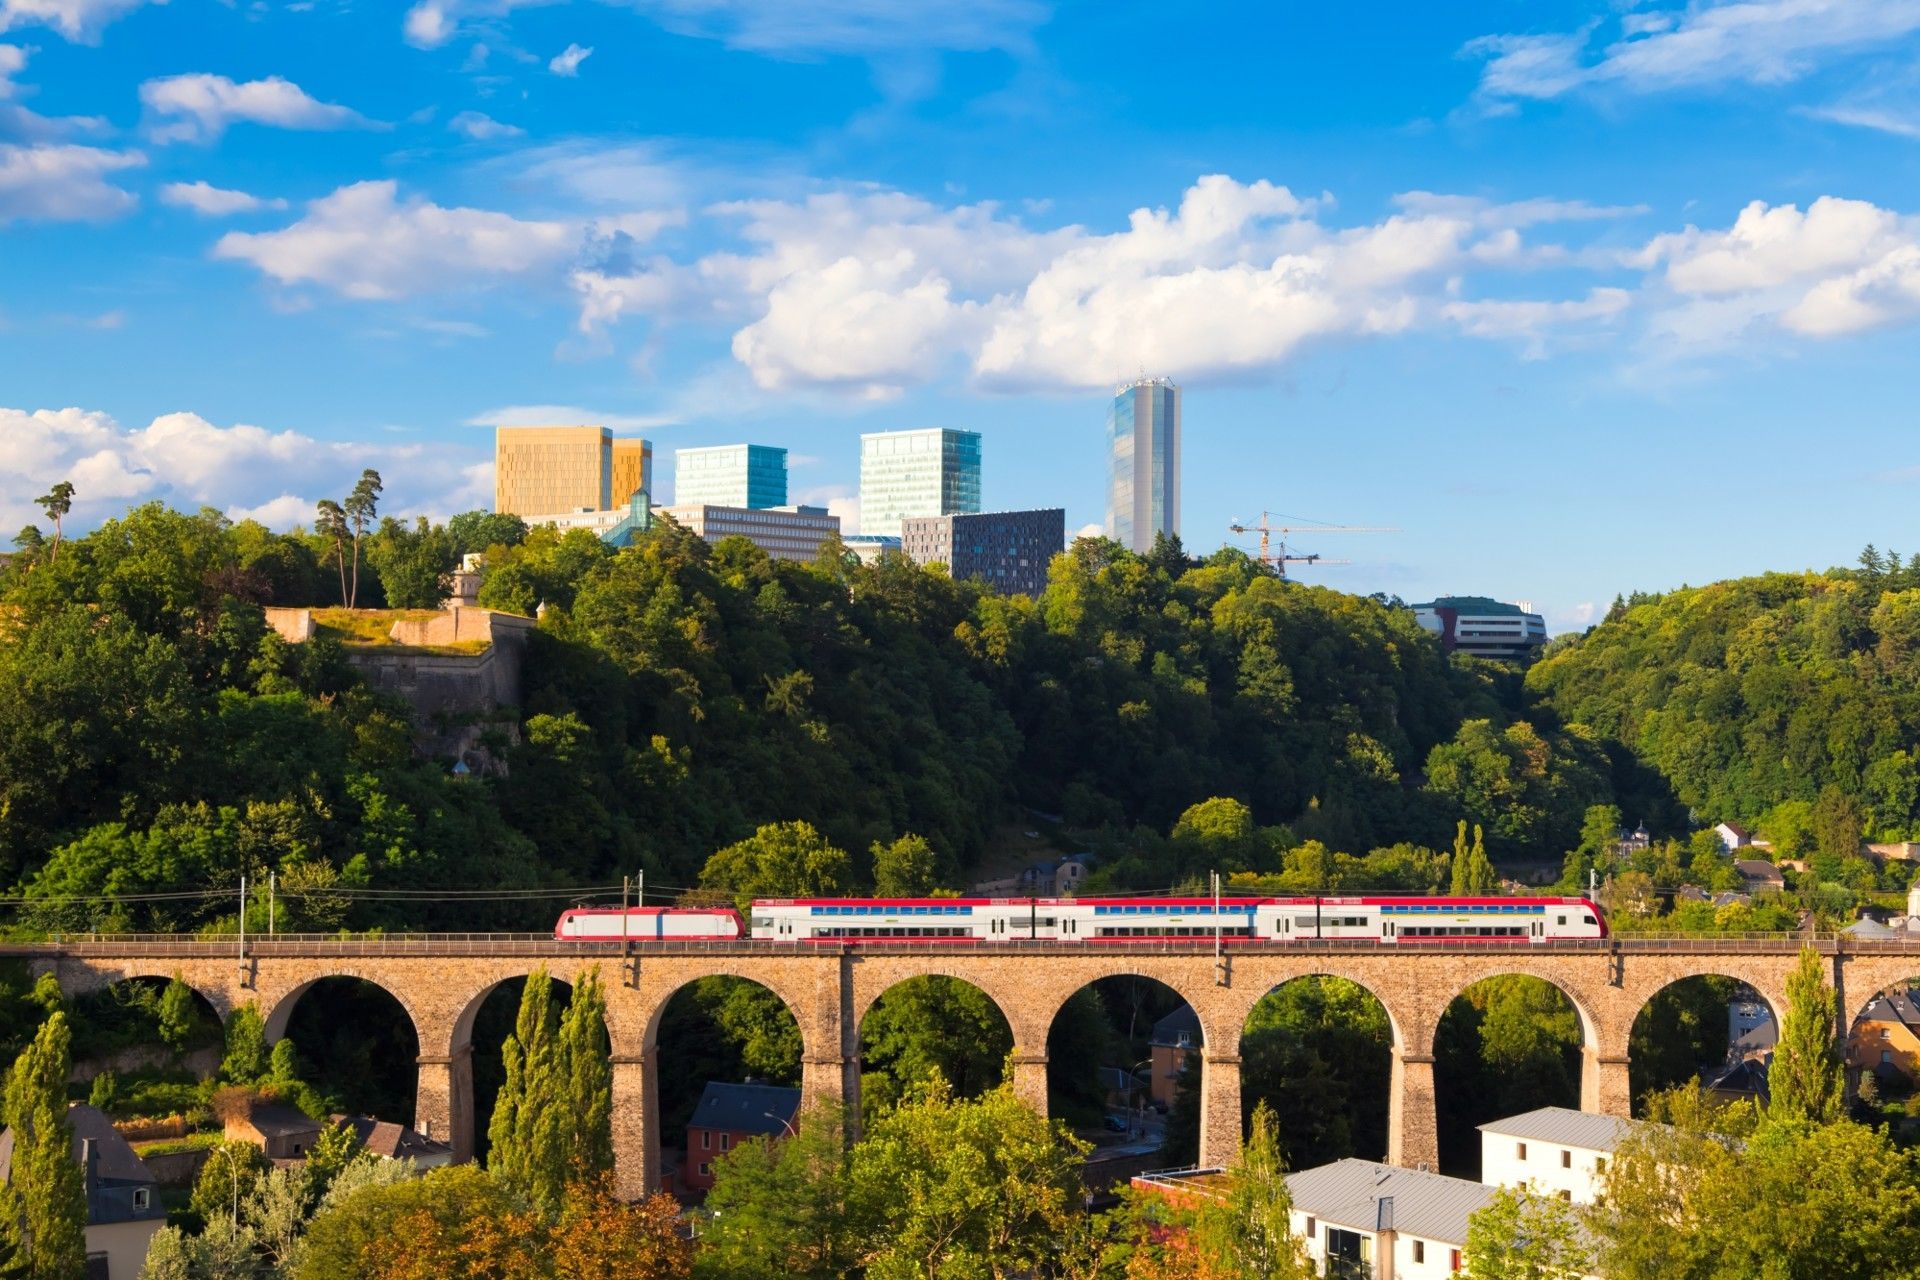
{"x":753,"y":476}
{"x":932,"y":472}
{"x":1143,"y":463}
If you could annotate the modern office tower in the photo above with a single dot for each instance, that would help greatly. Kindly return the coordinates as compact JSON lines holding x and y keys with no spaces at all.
{"x":1482,"y":627}
{"x":546,"y":469}
{"x":1143,"y":463}
{"x":632,"y":470}
{"x":1007,"y":550}
{"x":785,"y":533}
{"x":931,"y":472}
{"x":731,"y":475}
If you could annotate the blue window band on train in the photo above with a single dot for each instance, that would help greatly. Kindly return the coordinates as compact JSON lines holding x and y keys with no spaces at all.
{"x":885,"y":910}
{"x":1502,"y":909}
{"x":1170,"y":911}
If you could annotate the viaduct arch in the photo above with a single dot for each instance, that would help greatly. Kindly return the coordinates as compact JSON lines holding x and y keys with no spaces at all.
{"x":441,"y":983}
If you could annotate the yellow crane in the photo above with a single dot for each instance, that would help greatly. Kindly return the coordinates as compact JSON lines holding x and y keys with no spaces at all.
{"x":1281,"y":558}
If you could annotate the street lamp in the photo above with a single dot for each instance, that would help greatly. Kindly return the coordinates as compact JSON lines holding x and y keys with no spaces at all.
{"x":1140,"y":1113}
{"x":791,"y":1132}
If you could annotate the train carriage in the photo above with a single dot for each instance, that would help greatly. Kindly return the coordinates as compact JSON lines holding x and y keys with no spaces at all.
{"x":648,"y":924}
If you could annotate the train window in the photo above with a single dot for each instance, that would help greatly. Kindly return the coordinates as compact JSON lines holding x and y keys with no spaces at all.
{"x":1563,"y":919}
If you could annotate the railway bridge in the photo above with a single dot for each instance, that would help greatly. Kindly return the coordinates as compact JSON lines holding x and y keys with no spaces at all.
{"x":442,"y":980}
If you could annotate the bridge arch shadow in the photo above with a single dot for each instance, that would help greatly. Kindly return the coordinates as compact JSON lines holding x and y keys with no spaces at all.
{"x":1115,"y":1050}
{"x":1319,"y":1050}
{"x":139,"y":1028}
{"x":358,"y":1041}
{"x":1506,"y":1043}
{"x":932,"y":1023}
{"x":1713,"y":1027}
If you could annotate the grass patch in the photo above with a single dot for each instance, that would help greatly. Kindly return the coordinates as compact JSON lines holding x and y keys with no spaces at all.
{"x":367,"y":626}
{"x":174,"y":1146}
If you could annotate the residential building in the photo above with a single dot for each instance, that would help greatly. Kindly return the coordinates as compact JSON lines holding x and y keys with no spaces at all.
{"x":123,"y":1207}
{"x":730,"y":475}
{"x":632,"y":470}
{"x":1143,"y":463}
{"x":934,"y":471}
{"x":1009,"y":551}
{"x":1750,"y":1022}
{"x":1176,"y":1038}
{"x":393,"y":1141}
{"x":1639,"y":840}
{"x":1759,"y":874}
{"x":577,"y":468}
{"x":729,"y":1114}
{"x":1554,"y":1151}
{"x":1885,"y":1039}
{"x":281,"y":1133}
{"x":1483,"y":628}
{"x":1733,"y":836}
{"x":785,"y":533}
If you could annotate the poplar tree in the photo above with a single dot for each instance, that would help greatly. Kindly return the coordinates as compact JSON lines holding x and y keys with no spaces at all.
{"x":43,"y":1207}
{"x":1247,"y":1235}
{"x":1806,"y":1081}
{"x":589,"y":1075}
{"x":525,"y":1152}
{"x":1473,"y":875}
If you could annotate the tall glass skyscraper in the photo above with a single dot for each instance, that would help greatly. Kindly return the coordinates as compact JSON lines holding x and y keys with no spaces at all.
{"x":1143,"y":463}
{"x":931,"y":472}
{"x":730,"y":475}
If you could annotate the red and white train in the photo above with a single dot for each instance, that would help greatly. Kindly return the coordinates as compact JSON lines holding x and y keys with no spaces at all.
{"x":1396,"y":921}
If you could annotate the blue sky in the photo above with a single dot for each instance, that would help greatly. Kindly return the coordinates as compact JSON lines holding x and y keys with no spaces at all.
{"x":1582,"y":297}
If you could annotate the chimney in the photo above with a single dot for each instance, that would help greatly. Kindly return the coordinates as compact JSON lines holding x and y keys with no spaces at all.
{"x":1383,"y":1238}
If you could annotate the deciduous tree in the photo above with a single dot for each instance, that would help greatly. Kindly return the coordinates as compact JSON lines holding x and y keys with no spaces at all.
{"x":1806,"y":1081}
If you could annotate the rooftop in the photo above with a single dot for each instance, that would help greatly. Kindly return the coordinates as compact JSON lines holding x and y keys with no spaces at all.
{"x":394,"y":1141}
{"x":762,"y":1109}
{"x":1894,"y":1006}
{"x":1481,"y":605}
{"x":275,"y":1121}
{"x":1179,"y":1029}
{"x":1350,"y":1193}
{"x":1564,"y":1126}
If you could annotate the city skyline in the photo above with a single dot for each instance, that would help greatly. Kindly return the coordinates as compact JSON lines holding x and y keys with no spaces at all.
{"x":1564,"y":291}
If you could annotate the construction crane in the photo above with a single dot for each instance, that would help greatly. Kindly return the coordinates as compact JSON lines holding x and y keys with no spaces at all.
{"x":1280,"y":559}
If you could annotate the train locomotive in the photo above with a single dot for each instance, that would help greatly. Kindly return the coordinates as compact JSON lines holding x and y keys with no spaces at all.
{"x":1387,"y":920}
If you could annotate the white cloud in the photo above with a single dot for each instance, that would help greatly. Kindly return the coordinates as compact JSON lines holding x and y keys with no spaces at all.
{"x":482,"y":128}
{"x":1839,"y":267}
{"x":183,"y":459}
{"x":1531,"y":321}
{"x":1759,"y":42}
{"x":214,"y":202}
{"x":781,"y":27}
{"x":548,"y":415}
{"x":62,"y":183}
{"x":79,"y":20}
{"x":1879,"y":120}
{"x":1093,"y":530}
{"x":567,"y":61}
{"x":199,"y":107}
{"x":13,"y":59}
{"x":871,"y":292}
{"x":362,"y":241}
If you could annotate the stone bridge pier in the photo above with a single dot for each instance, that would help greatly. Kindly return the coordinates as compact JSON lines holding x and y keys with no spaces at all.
{"x":442,"y":986}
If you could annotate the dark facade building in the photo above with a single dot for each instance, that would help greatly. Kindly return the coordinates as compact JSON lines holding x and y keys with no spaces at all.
{"x":1007,"y":550}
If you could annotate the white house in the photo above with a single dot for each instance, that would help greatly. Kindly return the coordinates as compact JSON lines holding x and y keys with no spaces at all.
{"x":1402,"y":1223}
{"x":1733,"y":836}
{"x":1553,"y":1151}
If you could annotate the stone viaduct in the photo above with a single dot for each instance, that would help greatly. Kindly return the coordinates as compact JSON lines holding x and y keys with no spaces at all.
{"x":441,"y":983}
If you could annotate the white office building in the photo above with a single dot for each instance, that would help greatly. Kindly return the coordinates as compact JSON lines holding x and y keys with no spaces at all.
{"x":931,"y":472}
{"x":785,"y":533}
{"x":1482,"y":627}
{"x":1553,"y":1151}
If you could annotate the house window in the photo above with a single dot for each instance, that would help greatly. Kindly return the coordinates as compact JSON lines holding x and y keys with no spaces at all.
{"x":706,"y":1140}
{"x":1453,"y":1260}
{"x":706,"y":1169}
{"x":1419,"y":1250}
{"x":1886,"y":1057}
{"x":1519,"y":1151}
{"x":726,"y":1142}
{"x":1566,"y":1159}
{"x":141,"y":1197}
{"x":1310,"y":1226}
{"x":1567,"y":1196}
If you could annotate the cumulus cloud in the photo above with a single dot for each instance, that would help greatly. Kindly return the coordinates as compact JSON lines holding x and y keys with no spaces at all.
{"x":79,"y":20}
{"x":63,"y":183}
{"x":1839,"y":267}
{"x":364,"y":242}
{"x":1762,"y":42}
{"x":481,"y":127}
{"x":13,"y":59}
{"x":183,"y":459}
{"x":1532,"y":321}
{"x":214,"y":202}
{"x":870,"y":292}
{"x":567,"y":61}
{"x":199,"y":107}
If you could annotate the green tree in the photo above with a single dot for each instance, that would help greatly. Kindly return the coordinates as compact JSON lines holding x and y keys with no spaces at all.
{"x":227,"y":1181}
{"x":57,"y":502}
{"x":351,"y":1231}
{"x":180,"y":1021}
{"x":904,"y":868}
{"x":946,"y":1187}
{"x":780,"y":860}
{"x":1219,"y":835}
{"x":43,"y":1206}
{"x":1518,"y":1235}
{"x":330,"y":522}
{"x":930,"y":1026}
{"x":1473,"y":874}
{"x":527,"y":1149}
{"x":1806,"y":1081}
{"x":475,"y":531}
{"x":586,"y":1057}
{"x":778,"y":1207}
{"x":1245,"y":1234}
{"x":246,"y":1058}
{"x":359,"y":508}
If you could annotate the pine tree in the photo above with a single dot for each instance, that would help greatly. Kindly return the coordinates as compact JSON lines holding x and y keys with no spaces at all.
{"x":1806,"y":1081}
{"x":43,"y":1212}
{"x":589,"y":1067}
